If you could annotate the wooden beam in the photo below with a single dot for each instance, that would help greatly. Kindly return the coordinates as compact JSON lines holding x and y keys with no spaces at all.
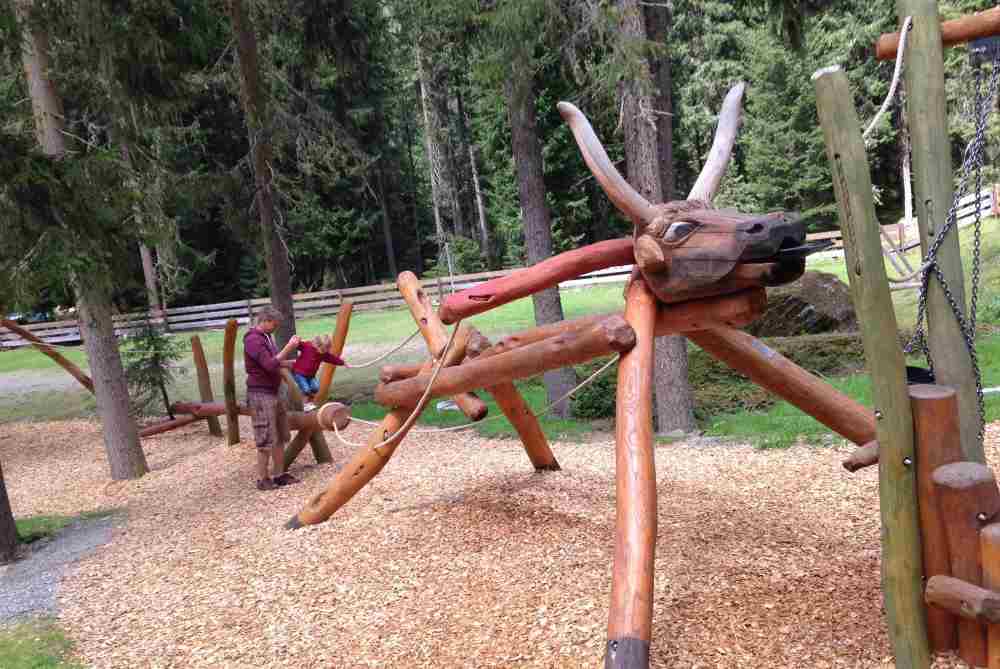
{"x":956,"y":31}
{"x":612,"y":335}
{"x":773,"y":371}
{"x":390,"y":373}
{"x":321,"y":419}
{"x":863,"y":456}
{"x":435,"y":336}
{"x":517,"y":411}
{"x":967,"y":600}
{"x":630,"y":617}
{"x":229,"y":381}
{"x":932,"y":196}
{"x":60,"y":359}
{"x":902,"y":571}
{"x":989,"y":547}
{"x":167,"y":425}
{"x":337,"y":342}
{"x":204,"y":383}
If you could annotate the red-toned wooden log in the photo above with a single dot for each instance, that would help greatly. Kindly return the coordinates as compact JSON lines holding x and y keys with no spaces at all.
{"x":530,"y":280}
{"x":321,"y":419}
{"x":204,"y":383}
{"x":936,"y":443}
{"x":390,"y":373}
{"x":861,"y":457}
{"x":436,"y":337}
{"x":612,"y":335}
{"x":229,"y":381}
{"x":167,"y":425}
{"x":971,"y":602}
{"x":337,"y":342}
{"x":206,"y":409}
{"x":956,"y":31}
{"x":519,"y":414}
{"x":989,"y":545}
{"x":967,"y":498}
{"x":773,"y":371}
{"x":630,"y":618}
{"x":60,"y":359}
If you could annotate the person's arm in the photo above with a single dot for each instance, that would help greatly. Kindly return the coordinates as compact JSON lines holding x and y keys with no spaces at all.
{"x":292,"y":345}
{"x":271,"y":363}
{"x":333,"y":359}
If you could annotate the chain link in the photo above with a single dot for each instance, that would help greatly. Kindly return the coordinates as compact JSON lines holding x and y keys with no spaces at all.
{"x":972,"y":161}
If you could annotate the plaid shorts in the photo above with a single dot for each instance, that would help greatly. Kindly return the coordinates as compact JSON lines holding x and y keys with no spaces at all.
{"x":270,"y":419}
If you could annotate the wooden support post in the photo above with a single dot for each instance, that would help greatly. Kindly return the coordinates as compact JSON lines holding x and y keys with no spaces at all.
{"x":434,"y":334}
{"x":967,"y":498}
{"x":932,"y":195}
{"x":612,"y":335}
{"x":295,"y":399}
{"x":630,"y":618}
{"x":60,"y":359}
{"x":989,"y":545}
{"x":935,"y":427}
{"x":167,"y":425}
{"x":337,"y":341}
{"x":966,"y":600}
{"x":519,"y":414}
{"x":229,"y":381}
{"x":901,"y":553}
{"x":204,"y":383}
{"x":773,"y":371}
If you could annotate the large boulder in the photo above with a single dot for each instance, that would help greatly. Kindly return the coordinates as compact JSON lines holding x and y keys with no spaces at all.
{"x":816,"y":303}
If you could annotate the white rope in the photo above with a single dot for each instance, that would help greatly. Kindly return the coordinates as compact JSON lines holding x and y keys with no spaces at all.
{"x":384,"y":355}
{"x":913,"y":275}
{"x":455,"y":428}
{"x":895,"y":78}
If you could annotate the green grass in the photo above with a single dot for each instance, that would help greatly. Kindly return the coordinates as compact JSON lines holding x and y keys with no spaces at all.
{"x":38,"y":644}
{"x":33,"y":528}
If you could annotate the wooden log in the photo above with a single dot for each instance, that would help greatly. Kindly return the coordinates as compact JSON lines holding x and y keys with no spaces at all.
{"x":315,"y":438}
{"x":229,"y":381}
{"x":630,"y":617}
{"x":933,"y":190}
{"x":435,"y":336}
{"x":295,"y":446}
{"x":60,"y":359}
{"x":321,"y":419}
{"x":167,"y":425}
{"x":970,"y":602}
{"x":337,"y":342}
{"x":902,"y":572}
{"x":612,"y":335}
{"x":967,"y":499}
{"x":989,"y":547}
{"x":935,"y":427}
{"x":863,"y":456}
{"x":956,"y":31}
{"x":517,"y":411}
{"x":206,"y":409}
{"x":204,"y":383}
{"x":773,"y":371}
{"x":390,"y":373}
{"x":530,"y":280}
{"x":295,"y":399}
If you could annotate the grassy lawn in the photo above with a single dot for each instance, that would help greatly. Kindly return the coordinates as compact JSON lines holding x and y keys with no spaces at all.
{"x":33,"y":528}
{"x":38,"y":644}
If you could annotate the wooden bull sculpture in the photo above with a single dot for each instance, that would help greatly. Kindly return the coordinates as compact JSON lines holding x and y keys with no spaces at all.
{"x":700,"y":272}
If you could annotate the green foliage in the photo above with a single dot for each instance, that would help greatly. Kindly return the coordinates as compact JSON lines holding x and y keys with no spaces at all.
{"x":38,"y":644}
{"x":150,"y":358}
{"x":466,"y":258}
{"x":33,"y":528}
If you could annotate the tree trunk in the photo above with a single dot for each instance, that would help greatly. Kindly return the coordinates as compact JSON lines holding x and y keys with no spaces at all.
{"x":258,"y":126}
{"x":658,"y":28}
{"x":643,"y":154}
{"x":149,"y":273}
{"x":537,"y":223}
{"x":8,"y":529}
{"x":390,"y":251}
{"x":412,"y":179}
{"x":484,"y":231}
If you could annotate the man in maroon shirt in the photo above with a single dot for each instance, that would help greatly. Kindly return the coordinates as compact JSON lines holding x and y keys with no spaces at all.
{"x":263,"y":363}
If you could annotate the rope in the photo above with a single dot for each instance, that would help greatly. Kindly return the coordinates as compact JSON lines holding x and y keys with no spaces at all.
{"x":455,"y":428}
{"x":384,"y":355}
{"x":895,"y":78}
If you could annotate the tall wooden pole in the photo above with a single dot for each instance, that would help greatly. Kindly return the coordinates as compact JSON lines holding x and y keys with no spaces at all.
{"x":933,"y":193}
{"x":901,"y":552}
{"x":204,"y":383}
{"x":229,"y":381}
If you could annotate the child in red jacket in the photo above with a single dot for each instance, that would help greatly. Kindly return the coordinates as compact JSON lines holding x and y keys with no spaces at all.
{"x":311,"y":354}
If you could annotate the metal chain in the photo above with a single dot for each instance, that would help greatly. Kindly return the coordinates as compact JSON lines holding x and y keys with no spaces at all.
{"x":972,"y":161}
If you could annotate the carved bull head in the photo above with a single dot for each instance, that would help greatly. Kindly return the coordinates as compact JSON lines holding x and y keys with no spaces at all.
{"x":686,"y":249}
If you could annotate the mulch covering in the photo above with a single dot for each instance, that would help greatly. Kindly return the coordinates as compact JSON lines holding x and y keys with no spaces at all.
{"x":458,"y":555}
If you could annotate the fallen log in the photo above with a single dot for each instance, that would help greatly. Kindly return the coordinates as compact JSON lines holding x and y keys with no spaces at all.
{"x":167,"y":425}
{"x":60,"y":359}
{"x":321,"y":419}
{"x":863,"y":456}
{"x":612,"y":335}
{"x":956,"y":31}
{"x":963,"y":599}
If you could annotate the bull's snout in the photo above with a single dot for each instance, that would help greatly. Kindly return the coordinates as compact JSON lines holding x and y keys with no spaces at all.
{"x":767,"y":235}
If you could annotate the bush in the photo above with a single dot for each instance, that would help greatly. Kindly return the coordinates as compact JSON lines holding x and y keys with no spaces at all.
{"x":150,"y":358}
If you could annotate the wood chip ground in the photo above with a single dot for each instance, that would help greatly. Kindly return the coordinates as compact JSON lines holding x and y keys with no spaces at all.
{"x":458,"y":555}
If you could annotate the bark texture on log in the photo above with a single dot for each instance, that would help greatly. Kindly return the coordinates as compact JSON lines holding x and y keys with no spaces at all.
{"x":337,"y":342}
{"x":229,"y":381}
{"x":863,"y":456}
{"x":204,"y":383}
{"x":971,"y":602}
{"x":989,"y":545}
{"x":956,"y":31}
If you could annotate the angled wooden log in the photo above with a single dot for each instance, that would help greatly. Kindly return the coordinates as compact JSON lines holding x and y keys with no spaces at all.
{"x":956,"y":31}
{"x":434,"y":334}
{"x":630,"y":618}
{"x":967,"y":499}
{"x":971,"y":602}
{"x":612,"y":335}
{"x":989,"y":545}
{"x":390,"y":373}
{"x":519,"y":414}
{"x":321,"y":419}
{"x":204,"y":383}
{"x":167,"y":425}
{"x":59,"y":358}
{"x":863,"y":456}
{"x":773,"y":371}
{"x":229,"y":381}
{"x":935,"y":429}
{"x":337,"y":342}
{"x":295,"y":399}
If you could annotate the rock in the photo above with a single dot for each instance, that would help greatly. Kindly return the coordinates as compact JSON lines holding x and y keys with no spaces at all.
{"x":816,"y":303}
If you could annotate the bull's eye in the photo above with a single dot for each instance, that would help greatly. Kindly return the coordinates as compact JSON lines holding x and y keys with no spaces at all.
{"x":678,"y":231}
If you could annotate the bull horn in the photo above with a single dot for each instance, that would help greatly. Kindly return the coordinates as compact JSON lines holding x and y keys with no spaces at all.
{"x":722,"y":146}
{"x":628,"y":200}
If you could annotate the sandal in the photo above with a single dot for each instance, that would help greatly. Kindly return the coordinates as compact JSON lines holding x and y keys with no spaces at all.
{"x":285,"y":479}
{"x":266,"y":484}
